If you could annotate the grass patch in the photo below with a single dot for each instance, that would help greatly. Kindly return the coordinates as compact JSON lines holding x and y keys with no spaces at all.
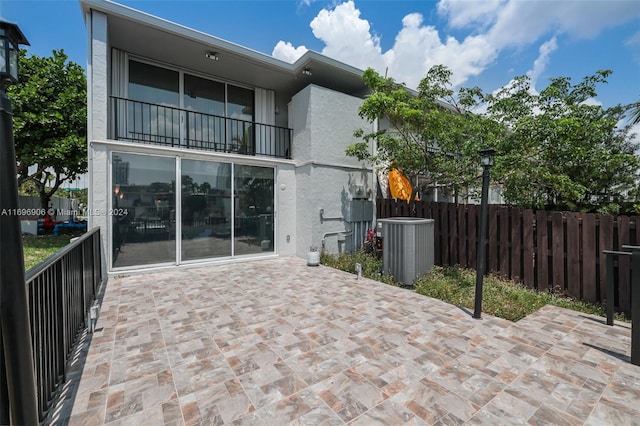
{"x":500,"y":298}
{"x":371,"y":266}
{"x":38,"y":248}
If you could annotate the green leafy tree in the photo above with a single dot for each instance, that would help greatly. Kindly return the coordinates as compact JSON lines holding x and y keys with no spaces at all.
{"x":561,"y":151}
{"x":554,"y":149}
{"x":50,"y":122}
{"x":431,"y":133}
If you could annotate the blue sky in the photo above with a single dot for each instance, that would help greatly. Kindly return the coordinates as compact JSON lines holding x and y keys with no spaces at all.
{"x":485,"y":43}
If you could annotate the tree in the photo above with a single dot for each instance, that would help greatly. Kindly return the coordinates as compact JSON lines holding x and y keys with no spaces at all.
{"x":554,"y":149}
{"x":50,"y":122}
{"x":634,"y":108}
{"x":562,"y":151}
{"x":430,"y":133}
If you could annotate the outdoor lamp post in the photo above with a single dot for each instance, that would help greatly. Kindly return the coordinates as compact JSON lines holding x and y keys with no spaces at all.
{"x":17,"y":382}
{"x":486,"y":155}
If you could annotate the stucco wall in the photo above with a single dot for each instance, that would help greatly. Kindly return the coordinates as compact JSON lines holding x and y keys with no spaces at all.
{"x":323,"y":121}
{"x":98,"y":82}
{"x":97,"y":73}
{"x":286,"y":188}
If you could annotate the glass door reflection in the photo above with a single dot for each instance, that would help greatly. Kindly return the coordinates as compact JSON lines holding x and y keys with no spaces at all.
{"x":206,"y":209}
{"x":254,"y":202}
{"x":143,"y":219}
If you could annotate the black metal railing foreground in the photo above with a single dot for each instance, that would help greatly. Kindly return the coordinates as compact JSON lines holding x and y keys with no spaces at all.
{"x":147,"y":123}
{"x":61,"y":291}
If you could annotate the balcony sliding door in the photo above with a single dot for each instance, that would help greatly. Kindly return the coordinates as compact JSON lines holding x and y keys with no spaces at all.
{"x":162,"y":106}
{"x":204,"y":104}
{"x":240,"y":128}
{"x":154,"y":117}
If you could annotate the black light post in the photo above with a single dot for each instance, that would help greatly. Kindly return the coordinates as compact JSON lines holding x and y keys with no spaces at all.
{"x":487,"y":161}
{"x":17,"y":379}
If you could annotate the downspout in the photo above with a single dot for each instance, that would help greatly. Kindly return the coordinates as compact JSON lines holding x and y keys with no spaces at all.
{"x":89,"y":23}
{"x":374,"y":175}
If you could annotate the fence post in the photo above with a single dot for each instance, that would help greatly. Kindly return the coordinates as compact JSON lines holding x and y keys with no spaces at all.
{"x":635,"y":303}
{"x":610,"y":288}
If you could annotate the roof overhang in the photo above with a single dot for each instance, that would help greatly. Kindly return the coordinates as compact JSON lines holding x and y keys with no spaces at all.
{"x":148,"y":36}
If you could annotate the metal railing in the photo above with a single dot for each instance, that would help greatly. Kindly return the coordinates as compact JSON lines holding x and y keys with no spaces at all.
{"x":142,"y":122}
{"x":60,"y":292}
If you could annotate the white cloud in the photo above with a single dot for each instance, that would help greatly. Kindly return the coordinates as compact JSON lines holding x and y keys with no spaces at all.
{"x":541,"y":62}
{"x":286,"y":52}
{"x":347,"y":37}
{"x":515,"y":22}
{"x":466,"y":13}
{"x":592,"y":102}
{"x":493,"y":25}
{"x":418,"y":47}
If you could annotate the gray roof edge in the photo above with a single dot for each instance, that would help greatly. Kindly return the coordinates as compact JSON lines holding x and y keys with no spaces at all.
{"x":312,"y":55}
{"x":116,"y":9}
{"x":110,"y":7}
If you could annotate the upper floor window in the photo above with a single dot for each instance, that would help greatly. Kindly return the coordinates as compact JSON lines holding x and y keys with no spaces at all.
{"x":161,"y":86}
{"x":154,"y":85}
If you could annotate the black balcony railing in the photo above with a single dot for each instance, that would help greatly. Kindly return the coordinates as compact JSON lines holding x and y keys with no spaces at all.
{"x":61,"y":291}
{"x":142,"y":122}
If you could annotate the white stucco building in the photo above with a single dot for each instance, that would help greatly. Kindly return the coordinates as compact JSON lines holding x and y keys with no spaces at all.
{"x":201,"y":150}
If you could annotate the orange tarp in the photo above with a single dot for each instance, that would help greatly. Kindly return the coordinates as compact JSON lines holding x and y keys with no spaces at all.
{"x":399,"y":185}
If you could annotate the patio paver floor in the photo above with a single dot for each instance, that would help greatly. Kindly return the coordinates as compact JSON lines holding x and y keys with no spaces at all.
{"x":278,"y":342}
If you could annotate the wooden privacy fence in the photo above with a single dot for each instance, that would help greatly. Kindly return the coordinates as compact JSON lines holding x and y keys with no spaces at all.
{"x":545,"y":250}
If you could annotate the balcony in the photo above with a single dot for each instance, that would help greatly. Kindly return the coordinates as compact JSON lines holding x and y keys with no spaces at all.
{"x":146,"y":123}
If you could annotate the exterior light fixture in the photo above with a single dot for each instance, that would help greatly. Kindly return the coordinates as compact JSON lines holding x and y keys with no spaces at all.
{"x":212,"y":55}
{"x":10,"y":38}
{"x":486,"y":158}
{"x":306,"y":71}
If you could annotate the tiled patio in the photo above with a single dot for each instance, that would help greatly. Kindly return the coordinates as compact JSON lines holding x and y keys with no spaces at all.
{"x":277,"y":342}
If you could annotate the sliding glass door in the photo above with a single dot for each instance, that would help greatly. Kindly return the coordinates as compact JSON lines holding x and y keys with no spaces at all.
{"x":205,"y":110}
{"x":240,"y":127}
{"x":206,"y":210}
{"x":225,"y":210}
{"x":253,"y":219}
{"x":170,"y":107}
{"x":143,"y":209}
{"x":154,"y":117}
